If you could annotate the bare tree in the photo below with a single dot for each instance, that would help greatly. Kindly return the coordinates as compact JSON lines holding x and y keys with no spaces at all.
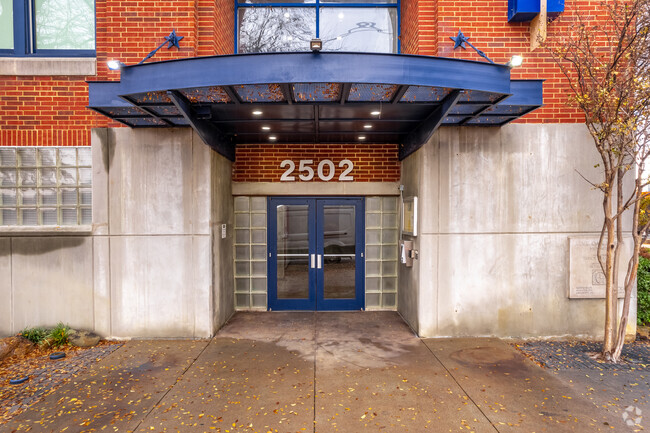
{"x":605,"y":58}
{"x":269,"y":29}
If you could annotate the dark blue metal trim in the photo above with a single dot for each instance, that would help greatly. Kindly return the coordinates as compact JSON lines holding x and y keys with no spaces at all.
{"x":25,"y":35}
{"x":317,"y":5}
{"x":423,"y":132}
{"x":525,"y":10}
{"x":272,"y":270}
{"x":316,"y":299}
{"x":525,"y":92}
{"x":314,"y":5}
{"x":208,"y":132}
{"x":358,"y":302}
{"x":105,"y":94}
{"x":324,"y":67}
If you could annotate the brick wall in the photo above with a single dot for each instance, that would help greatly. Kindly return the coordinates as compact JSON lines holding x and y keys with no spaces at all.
{"x":485,"y":22}
{"x":261,"y":162}
{"x":51,"y":110}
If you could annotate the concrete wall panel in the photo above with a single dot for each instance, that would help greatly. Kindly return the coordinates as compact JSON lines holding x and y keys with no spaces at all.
{"x":508,"y":285}
{"x":408,"y":278}
{"x":222,"y":249}
{"x":201,"y":186}
{"x":518,"y":178}
{"x":202,"y":285}
{"x":152,"y":288}
{"x":101,"y":157}
{"x":52,"y":281}
{"x":150,"y":182}
{"x":6,"y":314}
{"x":497,"y":206}
{"x":102,"y":285}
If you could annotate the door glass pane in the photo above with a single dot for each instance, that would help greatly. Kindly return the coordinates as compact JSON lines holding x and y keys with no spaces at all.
{"x":265,"y":30}
{"x":65,"y":24}
{"x":359,"y":29}
{"x":293,"y":251}
{"x":7,"y":25}
{"x":339,"y":265}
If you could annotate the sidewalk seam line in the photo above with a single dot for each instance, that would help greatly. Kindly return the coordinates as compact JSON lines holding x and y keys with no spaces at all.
{"x":178,"y":379}
{"x":461,"y":387}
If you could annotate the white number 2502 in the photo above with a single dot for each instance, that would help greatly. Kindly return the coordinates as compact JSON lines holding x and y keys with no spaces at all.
{"x":325,"y":170}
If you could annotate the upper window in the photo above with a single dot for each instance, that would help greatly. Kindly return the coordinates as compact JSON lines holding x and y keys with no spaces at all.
{"x":47,"y":27}
{"x":362,"y":25}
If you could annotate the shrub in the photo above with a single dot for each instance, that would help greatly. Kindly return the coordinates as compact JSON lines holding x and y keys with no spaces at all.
{"x":35,"y":335}
{"x":58,"y":336}
{"x":643,"y":291}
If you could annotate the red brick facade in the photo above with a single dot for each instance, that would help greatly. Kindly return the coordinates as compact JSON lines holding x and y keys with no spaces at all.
{"x":51,"y":110}
{"x":261,"y":162}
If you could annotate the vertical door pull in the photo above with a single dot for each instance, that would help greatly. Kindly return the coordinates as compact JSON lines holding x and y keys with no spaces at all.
{"x":313,"y":265}
{"x":318,"y":260}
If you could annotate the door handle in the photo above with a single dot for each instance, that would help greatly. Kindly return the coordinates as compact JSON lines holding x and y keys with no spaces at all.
{"x":313,"y":259}
{"x":319,"y":260}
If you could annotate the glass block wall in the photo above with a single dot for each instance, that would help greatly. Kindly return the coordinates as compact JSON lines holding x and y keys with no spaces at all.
{"x":45,"y":186}
{"x":250,"y":253}
{"x":381,"y":252}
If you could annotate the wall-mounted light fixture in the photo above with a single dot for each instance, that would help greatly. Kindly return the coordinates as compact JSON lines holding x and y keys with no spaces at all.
{"x":515,"y":61}
{"x":172,"y":40}
{"x":315,"y":45}
{"x":114,"y":65}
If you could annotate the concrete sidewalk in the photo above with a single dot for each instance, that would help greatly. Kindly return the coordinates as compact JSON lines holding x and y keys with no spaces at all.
{"x":316,"y":372}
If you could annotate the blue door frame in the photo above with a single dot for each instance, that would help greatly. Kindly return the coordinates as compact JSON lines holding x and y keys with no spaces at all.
{"x":316,"y":298}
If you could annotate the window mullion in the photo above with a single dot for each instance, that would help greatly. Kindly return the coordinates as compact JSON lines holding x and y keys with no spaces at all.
{"x":30,"y":28}
{"x":20,"y":36}
{"x":317,"y":19}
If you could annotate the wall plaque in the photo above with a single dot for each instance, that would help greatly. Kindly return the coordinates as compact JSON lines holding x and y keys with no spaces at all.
{"x":586,"y":277}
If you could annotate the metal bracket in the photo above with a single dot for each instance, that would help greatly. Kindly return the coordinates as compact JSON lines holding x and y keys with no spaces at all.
{"x":209,"y":133}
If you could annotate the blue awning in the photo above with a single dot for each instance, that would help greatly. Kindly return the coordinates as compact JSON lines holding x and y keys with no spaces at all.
{"x":315,"y":97}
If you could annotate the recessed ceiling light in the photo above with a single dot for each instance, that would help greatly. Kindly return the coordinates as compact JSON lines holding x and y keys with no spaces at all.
{"x":266,"y":128}
{"x":286,"y":15}
{"x":362,"y":137}
{"x":368,"y":126}
{"x":341,"y":15}
{"x":257,"y":113}
{"x":375,"y":113}
{"x":273,"y":137}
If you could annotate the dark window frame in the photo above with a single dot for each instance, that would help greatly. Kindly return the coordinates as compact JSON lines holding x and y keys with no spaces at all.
{"x":24,"y":14}
{"x":317,"y":5}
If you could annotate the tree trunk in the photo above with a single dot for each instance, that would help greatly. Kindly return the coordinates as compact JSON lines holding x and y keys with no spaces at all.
{"x":610,"y":293}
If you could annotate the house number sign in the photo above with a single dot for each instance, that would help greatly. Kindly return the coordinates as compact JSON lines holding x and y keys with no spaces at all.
{"x":325,"y":170}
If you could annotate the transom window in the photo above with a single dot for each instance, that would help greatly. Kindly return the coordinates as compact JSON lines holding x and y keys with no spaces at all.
{"x":47,"y":27}
{"x":360,"y":25}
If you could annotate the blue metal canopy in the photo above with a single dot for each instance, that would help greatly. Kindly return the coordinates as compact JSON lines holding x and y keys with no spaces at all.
{"x":315,"y":97}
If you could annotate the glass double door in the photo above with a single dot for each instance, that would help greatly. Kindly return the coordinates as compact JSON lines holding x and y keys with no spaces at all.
{"x":315,"y":253}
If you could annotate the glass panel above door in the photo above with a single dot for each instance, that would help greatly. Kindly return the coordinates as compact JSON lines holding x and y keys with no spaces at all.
{"x":359,"y":29}
{"x":277,"y":29}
